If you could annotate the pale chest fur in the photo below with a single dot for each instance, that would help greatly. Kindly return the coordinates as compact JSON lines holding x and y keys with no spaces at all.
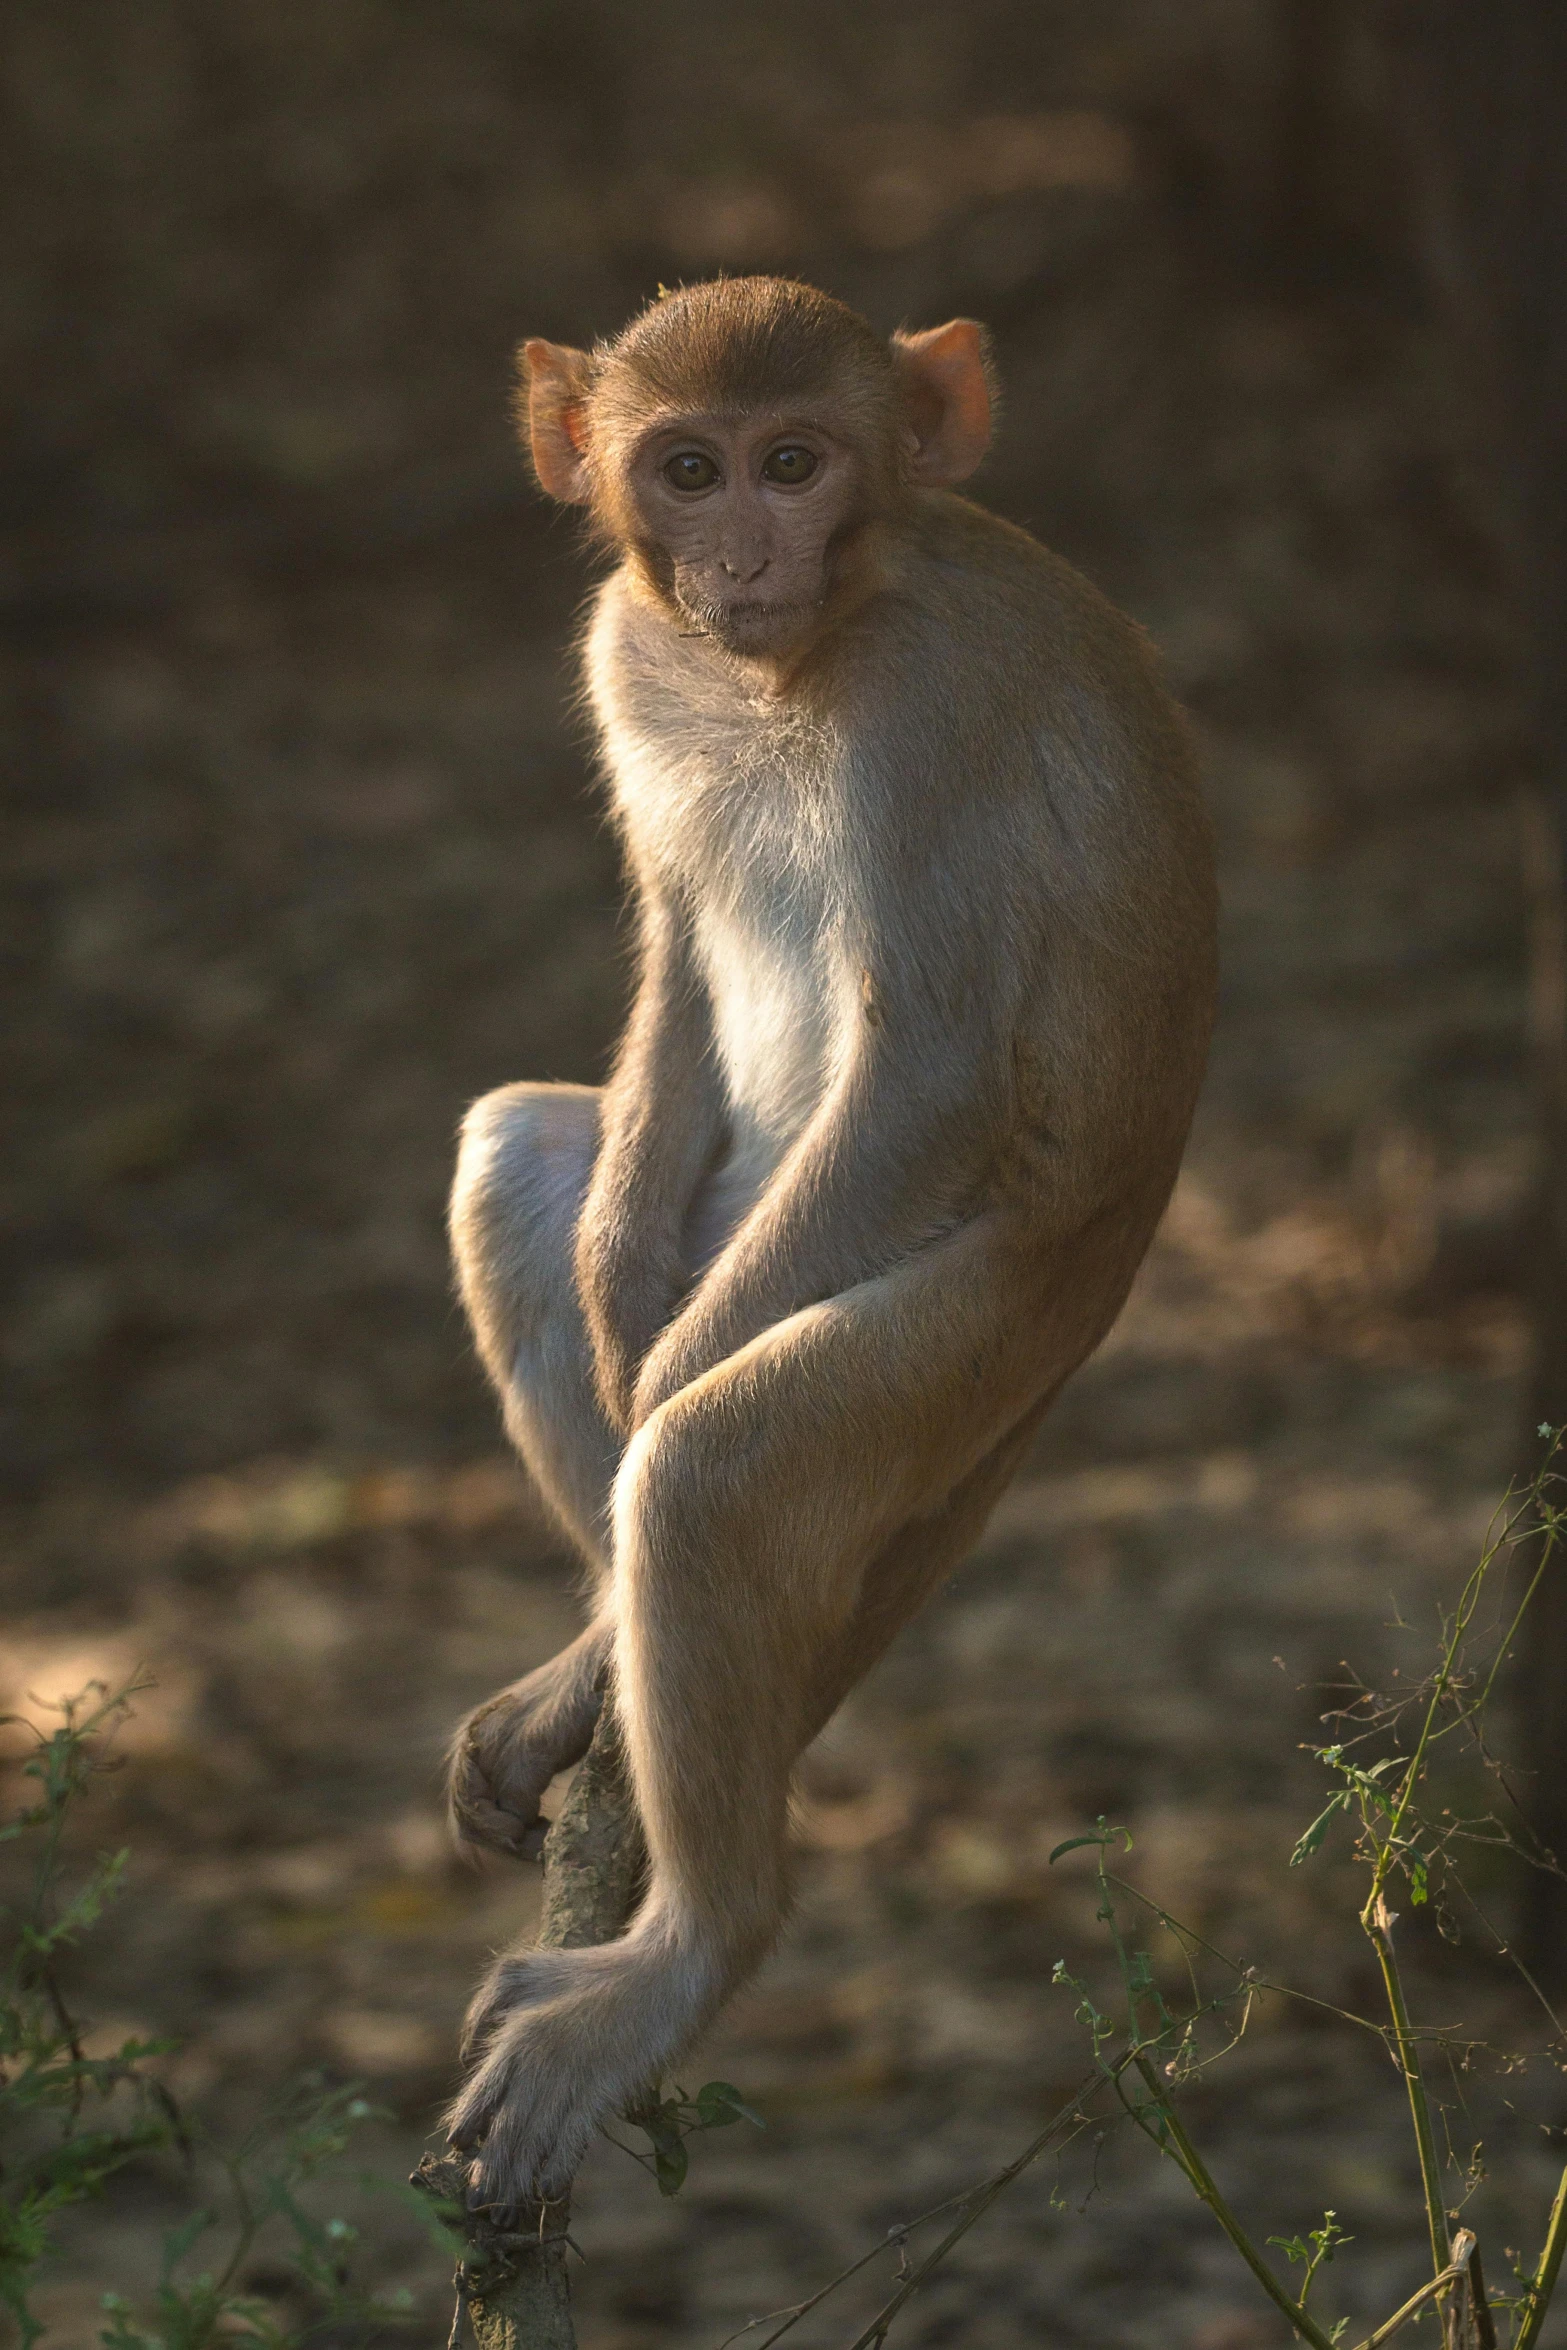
{"x":740,"y":817}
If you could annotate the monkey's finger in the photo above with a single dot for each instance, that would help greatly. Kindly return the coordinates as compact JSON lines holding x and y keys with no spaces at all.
{"x":475,"y":2195}
{"x":471,"y":2115}
{"x":480,"y":1816}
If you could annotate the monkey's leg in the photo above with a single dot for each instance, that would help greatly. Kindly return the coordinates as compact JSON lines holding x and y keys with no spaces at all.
{"x":523,"y":1165}
{"x":526,"y":1155}
{"x":920,"y":1556}
{"x":747,"y":1512}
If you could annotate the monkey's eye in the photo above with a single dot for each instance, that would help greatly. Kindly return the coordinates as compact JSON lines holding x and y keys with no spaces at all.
{"x":690,"y":470}
{"x":789,"y":465}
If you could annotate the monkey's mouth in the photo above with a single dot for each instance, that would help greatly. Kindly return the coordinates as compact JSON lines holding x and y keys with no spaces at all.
{"x":742,"y":625}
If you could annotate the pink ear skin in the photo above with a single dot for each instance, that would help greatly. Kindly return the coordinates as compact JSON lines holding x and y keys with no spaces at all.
{"x":555,"y":380}
{"x":946,"y":391}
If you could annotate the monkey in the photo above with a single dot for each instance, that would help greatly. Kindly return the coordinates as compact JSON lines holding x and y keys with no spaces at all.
{"x":925,"y":947}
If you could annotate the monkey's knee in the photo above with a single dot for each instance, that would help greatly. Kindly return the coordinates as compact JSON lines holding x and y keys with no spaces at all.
{"x":686,"y":1487}
{"x":524,"y":1156}
{"x":523,"y":1163}
{"x":732,"y":1473}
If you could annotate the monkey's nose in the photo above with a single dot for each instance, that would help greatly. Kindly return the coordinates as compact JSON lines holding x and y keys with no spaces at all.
{"x":742,"y":569}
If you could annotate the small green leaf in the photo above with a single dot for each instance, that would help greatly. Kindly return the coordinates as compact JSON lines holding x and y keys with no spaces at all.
{"x":662,"y":2124}
{"x":1315,"y":1833}
{"x":1104,"y":1839}
{"x":671,"y":2162}
{"x":1072,"y":1844}
{"x":718,"y":2103}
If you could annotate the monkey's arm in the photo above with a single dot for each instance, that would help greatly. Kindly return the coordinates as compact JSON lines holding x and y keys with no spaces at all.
{"x":660,"y":1123}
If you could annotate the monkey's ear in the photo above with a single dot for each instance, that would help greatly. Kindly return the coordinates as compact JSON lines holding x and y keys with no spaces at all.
{"x":945,"y":378}
{"x":553,"y":383}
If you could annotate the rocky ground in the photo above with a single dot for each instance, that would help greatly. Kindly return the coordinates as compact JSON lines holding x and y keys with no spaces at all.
{"x":308,"y":857}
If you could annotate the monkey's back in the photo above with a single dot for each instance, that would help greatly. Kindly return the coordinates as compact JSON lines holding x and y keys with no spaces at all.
{"x":1092,"y":856}
{"x":1057,"y":696}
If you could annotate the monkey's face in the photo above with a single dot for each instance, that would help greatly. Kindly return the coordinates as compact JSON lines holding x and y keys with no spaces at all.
{"x":739,"y":442}
{"x":742,"y":522}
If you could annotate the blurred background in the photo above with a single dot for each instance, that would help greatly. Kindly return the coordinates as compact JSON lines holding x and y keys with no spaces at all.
{"x":304,"y":852}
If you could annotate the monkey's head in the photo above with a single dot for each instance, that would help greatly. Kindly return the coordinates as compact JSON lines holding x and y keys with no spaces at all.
{"x":740,"y":439}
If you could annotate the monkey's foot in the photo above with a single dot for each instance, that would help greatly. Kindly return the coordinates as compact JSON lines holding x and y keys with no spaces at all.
{"x":559,"y":2040}
{"x":509,"y":1748}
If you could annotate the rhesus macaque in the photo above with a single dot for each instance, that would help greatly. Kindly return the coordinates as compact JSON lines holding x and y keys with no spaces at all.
{"x":926,"y":946}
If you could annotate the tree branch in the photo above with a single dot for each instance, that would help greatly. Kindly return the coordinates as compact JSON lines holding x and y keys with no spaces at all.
{"x":511,"y":2280}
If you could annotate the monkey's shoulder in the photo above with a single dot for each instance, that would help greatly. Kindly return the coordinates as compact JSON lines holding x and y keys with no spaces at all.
{"x":991,"y":644}
{"x":1058,"y":706}
{"x":1006,"y":605}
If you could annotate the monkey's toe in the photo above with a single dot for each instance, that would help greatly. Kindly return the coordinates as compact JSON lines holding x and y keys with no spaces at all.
{"x":556,"y":2041}
{"x":511,"y":1985}
{"x":524,"y":2117}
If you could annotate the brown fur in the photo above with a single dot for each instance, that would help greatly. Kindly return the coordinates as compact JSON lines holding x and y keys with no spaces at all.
{"x":926,"y":933}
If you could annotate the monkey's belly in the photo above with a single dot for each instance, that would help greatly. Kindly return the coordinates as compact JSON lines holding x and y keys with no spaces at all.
{"x":728,"y":1192}
{"x":723,"y":1199}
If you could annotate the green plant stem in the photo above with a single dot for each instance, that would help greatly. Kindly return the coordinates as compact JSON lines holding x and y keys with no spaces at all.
{"x":970,"y":2207}
{"x":1378,"y":1928}
{"x":876,"y":2332}
{"x":248,"y":2224}
{"x":1312,"y":2266}
{"x":1206,"y":2190}
{"x":1412,"y":2307}
{"x":1477,"y":1705}
{"x":1545,"y":2276}
{"x":973,"y":2207}
{"x":1388,"y":1843}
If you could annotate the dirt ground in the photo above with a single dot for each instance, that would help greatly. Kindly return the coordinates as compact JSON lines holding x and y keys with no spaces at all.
{"x":305,"y":854}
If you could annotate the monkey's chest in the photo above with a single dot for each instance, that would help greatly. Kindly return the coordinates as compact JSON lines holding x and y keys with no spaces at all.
{"x":765,"y":886}
{"x":749,"y":835}
{"x":771,"y":974}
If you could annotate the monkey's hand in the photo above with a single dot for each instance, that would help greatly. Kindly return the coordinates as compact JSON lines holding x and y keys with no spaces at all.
{"x":509,"y":1748}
